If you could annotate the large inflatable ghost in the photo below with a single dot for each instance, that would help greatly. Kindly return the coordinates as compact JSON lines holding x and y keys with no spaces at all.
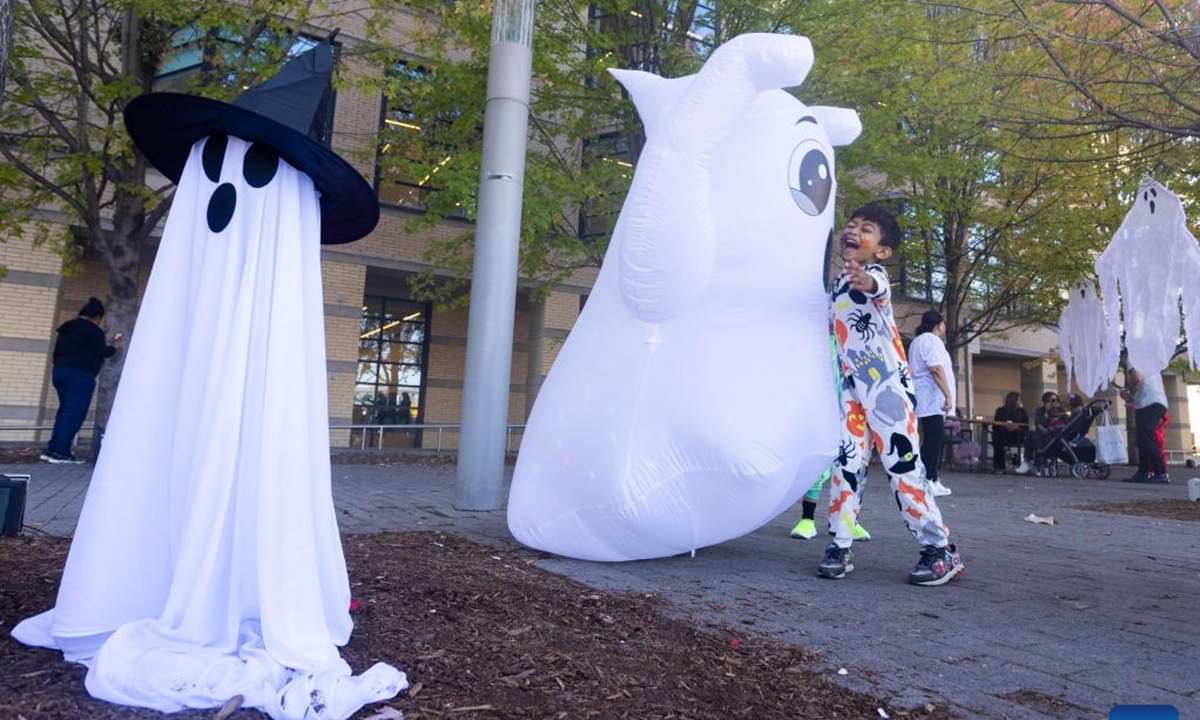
{"x":692,"y":401}
{"x":207,"y":563}
{"x":1150,"y":266}
{"x":1082,"y":334}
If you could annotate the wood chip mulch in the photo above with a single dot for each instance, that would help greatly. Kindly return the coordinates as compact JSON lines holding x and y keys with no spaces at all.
{"x":481,"y":633}
{"x":1173,"y":509}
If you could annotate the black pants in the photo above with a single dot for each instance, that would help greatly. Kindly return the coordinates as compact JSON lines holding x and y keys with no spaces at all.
{"x":74,"y":388}
{"x":1150,"y":455}
{"x":933,"y":435}
{"x":1002,"y":439}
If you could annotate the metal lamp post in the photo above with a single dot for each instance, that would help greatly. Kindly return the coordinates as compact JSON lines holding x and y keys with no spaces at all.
{"x":480,"y":476}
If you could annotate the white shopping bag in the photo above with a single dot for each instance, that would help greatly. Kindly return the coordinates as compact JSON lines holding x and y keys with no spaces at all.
{"x":1110,"y":443}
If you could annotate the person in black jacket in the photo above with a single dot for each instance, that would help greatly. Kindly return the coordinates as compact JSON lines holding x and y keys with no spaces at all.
{"x":78,"y":354}
{"x":1005,"y":436}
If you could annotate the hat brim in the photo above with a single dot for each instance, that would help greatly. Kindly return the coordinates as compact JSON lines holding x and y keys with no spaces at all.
{"x":165,"y":126}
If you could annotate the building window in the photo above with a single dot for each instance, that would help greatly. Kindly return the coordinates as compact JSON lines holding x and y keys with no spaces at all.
{"x":393,"y":351}
{"x":408,"y":160}
{"x":196,"y":55}
{"x":607,"y":158}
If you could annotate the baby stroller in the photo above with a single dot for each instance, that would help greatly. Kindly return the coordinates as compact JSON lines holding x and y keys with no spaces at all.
{"x":1070,"y":444}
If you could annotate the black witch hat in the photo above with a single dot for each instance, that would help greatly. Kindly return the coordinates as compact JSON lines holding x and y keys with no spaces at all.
{"x":286,"y":113}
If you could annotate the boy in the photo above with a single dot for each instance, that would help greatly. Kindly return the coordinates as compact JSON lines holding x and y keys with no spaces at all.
{"x":877,"y":405}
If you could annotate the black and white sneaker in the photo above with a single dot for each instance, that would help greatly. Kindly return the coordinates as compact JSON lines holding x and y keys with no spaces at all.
{"x":52,"y":457}
{"x":937,"y":566}
{"x":838,"y":561}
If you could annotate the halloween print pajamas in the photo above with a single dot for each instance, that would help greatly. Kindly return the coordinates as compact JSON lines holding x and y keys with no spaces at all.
{"x":877,"y":409}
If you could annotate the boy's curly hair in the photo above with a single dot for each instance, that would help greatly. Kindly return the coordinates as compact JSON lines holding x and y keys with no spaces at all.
{"x":888,"y":227}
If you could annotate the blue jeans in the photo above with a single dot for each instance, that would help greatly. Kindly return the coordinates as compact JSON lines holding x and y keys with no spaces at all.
{"x":74,"y":388}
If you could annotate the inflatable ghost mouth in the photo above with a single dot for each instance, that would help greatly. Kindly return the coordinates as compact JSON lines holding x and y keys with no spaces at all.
{"x":810,"y":177}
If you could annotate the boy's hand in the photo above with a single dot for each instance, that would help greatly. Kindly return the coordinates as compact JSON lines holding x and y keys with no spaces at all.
{"x":859,"y":278}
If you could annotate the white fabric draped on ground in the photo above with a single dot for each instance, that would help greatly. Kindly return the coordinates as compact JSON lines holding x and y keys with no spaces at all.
{"x":207,"y":561}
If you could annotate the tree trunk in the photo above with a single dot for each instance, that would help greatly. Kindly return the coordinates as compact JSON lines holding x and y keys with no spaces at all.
{"x":7,"y":9}
{"x":122,"y":250}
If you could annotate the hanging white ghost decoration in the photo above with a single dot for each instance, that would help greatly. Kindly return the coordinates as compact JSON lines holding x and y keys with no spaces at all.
{"x":692,"y":401}
{"x":1082,"y":334}
{"x":207,"y":561}
{"x":1151,"y":262}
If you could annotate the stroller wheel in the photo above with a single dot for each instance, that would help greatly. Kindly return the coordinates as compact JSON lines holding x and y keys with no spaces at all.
{"x":1081,"y":470}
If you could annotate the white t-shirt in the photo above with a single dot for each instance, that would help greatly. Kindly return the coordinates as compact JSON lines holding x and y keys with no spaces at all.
{"x":1150,"y":392}
{"x":927,"y":351}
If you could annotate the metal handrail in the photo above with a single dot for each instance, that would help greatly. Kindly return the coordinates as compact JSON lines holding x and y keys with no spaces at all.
{"x":379,"y":429}
{"x":440,"y":429}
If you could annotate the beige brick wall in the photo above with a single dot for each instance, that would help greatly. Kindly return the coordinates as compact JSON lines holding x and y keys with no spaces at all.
{"x":993,"y":379}
{"x":28,"y":315}
{"x":342,"y":290}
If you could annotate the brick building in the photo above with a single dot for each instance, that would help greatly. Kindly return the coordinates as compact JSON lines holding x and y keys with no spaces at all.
{"x":382,"y":342}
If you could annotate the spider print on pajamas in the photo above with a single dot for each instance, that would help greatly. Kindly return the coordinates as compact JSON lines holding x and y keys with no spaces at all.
{"x":845,"y":453}
{"x":860,"y":320}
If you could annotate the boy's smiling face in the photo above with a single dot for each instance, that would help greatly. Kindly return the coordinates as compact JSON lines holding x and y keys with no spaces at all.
{"x":860,"y":241}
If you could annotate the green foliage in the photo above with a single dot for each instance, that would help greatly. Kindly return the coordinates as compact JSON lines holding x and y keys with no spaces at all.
{"x":995,"y":231}
{"x":574,"y":101}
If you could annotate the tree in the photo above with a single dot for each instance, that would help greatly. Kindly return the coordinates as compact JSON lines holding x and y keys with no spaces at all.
{"x":584,"y":134}
{"x":1127,"y":66}
{"x":7,"y":9}
{"x":995,"y":235}
{"x":73,"y":67}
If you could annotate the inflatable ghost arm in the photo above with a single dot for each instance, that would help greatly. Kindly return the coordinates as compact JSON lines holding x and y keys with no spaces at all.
{"x":687,"y":119}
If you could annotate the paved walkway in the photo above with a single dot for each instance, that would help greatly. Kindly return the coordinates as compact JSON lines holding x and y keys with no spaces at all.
{"x":1061,"y":621}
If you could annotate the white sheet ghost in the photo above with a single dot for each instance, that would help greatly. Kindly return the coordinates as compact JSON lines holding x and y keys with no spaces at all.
{"x":1082,"y":334}
{"x":1150,"y":266}
{"x":692,"y":401}
{"x":207,"y":561}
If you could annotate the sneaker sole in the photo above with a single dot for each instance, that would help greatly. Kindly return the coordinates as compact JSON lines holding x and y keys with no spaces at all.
{"x":958,"y":570}
{"x":834,"y":575}
{"x":54,"y":460}
{"x":801,"y":536}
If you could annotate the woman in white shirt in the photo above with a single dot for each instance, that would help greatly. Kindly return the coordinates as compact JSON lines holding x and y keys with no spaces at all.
{"x":933,"y":382}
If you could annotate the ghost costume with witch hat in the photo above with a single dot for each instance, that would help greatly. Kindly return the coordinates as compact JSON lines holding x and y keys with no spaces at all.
{"x":207,"y":562}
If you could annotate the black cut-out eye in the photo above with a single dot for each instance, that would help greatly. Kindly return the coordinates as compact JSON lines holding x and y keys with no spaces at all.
{"x":214,"y":156}
{"x":810,"y":177}
{"x":221,"y":206}
{"x":1153,"y":192}
{"x":260,"y":165}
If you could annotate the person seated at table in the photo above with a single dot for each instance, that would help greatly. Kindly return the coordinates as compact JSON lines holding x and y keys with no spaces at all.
{"x":1008,"y":435}
{"x":1039,"y":434}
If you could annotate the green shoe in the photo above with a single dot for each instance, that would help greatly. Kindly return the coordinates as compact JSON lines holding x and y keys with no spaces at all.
{"x":805,"y":529}
{"x":860,"y":533}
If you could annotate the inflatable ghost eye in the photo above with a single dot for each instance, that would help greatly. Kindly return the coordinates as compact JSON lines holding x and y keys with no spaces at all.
{"x":811,"y":176}
{"x":1148,"y":269}
{"x":693,"y":400}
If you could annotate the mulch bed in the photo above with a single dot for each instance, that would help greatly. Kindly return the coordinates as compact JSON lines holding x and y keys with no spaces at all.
{"x":482,"y":634}
{"x":1159,"y":509}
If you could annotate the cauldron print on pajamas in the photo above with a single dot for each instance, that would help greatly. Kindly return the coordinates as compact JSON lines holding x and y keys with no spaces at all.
{"x":258,"y":169}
